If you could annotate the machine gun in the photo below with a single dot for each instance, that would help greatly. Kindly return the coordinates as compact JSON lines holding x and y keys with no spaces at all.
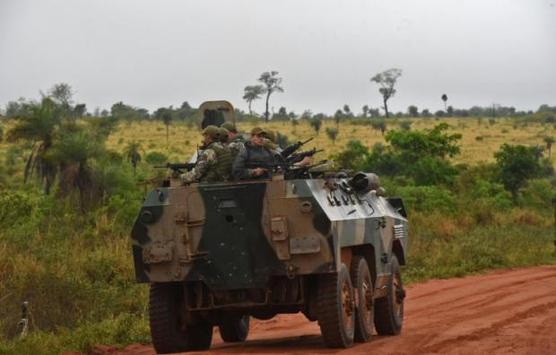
{"x":297,"y":157}
{"x":177,"y":167}
{"x":292,"y":148}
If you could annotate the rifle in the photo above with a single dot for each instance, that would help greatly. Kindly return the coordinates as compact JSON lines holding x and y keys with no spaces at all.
{"x":292,"y":148}
{"x":176,"y":166}
{"x":295,"y":158}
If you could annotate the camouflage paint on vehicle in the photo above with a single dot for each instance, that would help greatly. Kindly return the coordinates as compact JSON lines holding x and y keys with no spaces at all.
{"x":238,"y":235}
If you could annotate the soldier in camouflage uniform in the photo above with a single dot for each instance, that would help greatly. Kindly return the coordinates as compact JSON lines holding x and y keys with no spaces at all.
{"x":223,"y":135}
{"x":215,"y":161}
{"x":235,"y":141}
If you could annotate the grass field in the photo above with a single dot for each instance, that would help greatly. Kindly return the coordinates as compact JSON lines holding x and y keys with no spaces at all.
{"x":479,"y":142}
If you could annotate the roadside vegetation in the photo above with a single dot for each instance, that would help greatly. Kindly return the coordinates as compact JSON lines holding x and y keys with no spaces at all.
{"x":478,"y":191}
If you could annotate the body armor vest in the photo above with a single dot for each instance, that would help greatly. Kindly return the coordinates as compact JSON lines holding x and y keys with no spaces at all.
{"x":222,"y":169}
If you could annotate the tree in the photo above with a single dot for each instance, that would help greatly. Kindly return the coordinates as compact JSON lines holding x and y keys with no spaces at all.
{"x":271,"y":83}
{"x":426,"y":113}
{"x":62,"y":93}
{"x":387,"y":80}
{"x":167,"y":119}
{"x":332,"y":133}
{"x":316,"y":124}
{"x":413,"y":111}
{"x":420,"y":155}
{"x":379,"y":125}
{"x":132,"y":153}
{"x":353,"y":157}
{"x":516,"y":164}
{"x":338,"y":115}
{"x":39,"y":128}
{"x":347,"y":110}
{"x":365,"y":110}
{"x":444,"y":98}
{"x":72,"y":153}
{"x":549,"y":141}
{"x":252,"y":93}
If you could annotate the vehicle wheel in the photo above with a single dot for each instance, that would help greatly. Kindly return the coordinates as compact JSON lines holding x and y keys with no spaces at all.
{"x":364,"y":315}
{"x":336,"y":309}
{"x":235,"y":330}
{"x":169,"y":332}
{"x":389,"y":309}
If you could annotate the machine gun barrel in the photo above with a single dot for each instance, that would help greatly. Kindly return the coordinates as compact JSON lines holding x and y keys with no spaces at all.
{"x":292,"y":148}
{"x":301,"y":155}
{"x":176,"y":166}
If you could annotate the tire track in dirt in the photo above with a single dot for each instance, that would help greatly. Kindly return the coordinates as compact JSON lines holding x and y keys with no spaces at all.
{"x":510,"y":311}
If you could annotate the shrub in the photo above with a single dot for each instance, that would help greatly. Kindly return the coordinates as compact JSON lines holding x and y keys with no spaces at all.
{"x":517,"y":164}
{"x":427,"y":198}
{"x":353,"y":157}
{"x":154,"y":158}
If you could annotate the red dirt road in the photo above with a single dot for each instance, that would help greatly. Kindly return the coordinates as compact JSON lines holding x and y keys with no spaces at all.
{"x":504,"y":312}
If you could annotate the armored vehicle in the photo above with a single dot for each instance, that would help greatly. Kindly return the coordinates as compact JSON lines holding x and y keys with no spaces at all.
{"x":319,"y":243}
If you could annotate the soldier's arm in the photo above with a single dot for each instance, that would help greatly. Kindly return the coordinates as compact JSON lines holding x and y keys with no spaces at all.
{"x":206,"y":159}
{"x":239,"y":170}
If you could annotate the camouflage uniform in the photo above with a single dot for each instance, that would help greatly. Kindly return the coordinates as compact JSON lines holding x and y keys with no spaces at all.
{"x":213,"y":164}
{"x":236,"y":146}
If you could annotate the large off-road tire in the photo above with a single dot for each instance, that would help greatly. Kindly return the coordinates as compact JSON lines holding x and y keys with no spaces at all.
{"x":169,"y":332}
{"x":336,"y":309}
{"x":363,"y":284}
{"x":389,"y":309}
{"x":235,"y":329}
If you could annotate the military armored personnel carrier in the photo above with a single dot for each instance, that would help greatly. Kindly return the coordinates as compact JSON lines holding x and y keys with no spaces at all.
{"x":217,"y":254}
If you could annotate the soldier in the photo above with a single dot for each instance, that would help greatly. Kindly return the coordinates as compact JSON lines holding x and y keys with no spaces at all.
{"x":223,"y":135}
{"x":270,"y":142}
{"x":255,"y":161}
{"x":235,"y":140}
{"x":214,"y":162}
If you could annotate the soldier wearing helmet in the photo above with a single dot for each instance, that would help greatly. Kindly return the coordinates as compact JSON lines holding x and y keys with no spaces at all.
{"x":214,"y":162}
{"x":235,"y":140}
{"x":255,"y":161}
{"x":223,"y":135}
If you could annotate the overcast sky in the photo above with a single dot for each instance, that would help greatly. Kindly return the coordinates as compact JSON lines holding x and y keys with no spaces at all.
{"x":161,"y":53}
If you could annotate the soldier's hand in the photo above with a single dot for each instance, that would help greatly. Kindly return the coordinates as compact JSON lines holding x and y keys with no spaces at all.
{"x":306,"y":161}
{"x":258,"y":171}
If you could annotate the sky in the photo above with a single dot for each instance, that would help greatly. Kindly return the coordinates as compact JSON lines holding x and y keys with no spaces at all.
{"x":160,"y":53}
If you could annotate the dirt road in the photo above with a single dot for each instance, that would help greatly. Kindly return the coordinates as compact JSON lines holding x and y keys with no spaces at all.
{"x":504,"y":312}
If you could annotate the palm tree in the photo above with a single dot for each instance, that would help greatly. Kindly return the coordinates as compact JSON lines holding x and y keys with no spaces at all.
{"x":38,"y":127}
{"x":252,"y":93}
{"x":444,"y":98}
{"x":167,"y":119}
{"x":132,"y":153}
{"x":72,"y":153}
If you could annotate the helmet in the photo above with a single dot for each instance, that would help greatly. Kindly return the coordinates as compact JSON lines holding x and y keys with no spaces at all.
{"x":271,"y":135}
{"x":229,"y":126}
{"x":258,"y":130}
{"x":212,"y":131}
{"x":223,"y":134}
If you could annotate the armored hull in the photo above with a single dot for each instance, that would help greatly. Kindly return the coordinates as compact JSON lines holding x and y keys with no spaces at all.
{"x":259,"y":248}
